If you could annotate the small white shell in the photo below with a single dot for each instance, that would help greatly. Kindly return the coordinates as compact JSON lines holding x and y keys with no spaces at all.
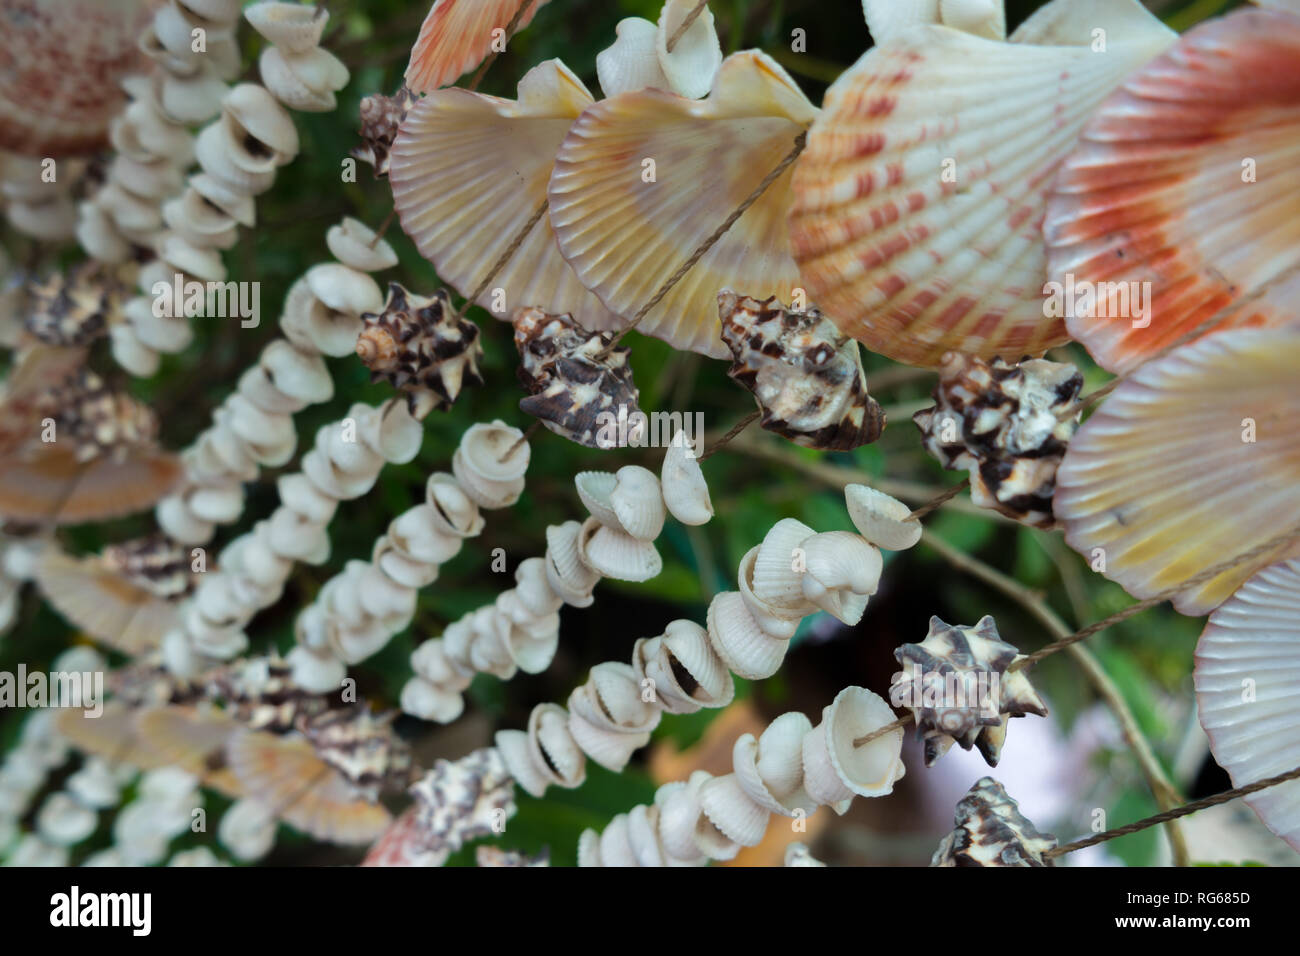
{"x":985,"y":18}
{"x":180,"y":523}
{"x":353,"y":243}
{"x":213,"y":152}
{"x":843,"y":570}
{"x":250,"y":111}
{"x":694,"y":61}
{"x":291,"y":26}
{"x":190,"y":100}
{"x":776,"y":622}
{"x":237,"y":205}
{"x":415,"y":535}
{"x":63,"y":821}
{"x":686,"y":493}
{"x":594,"y":489}
{"x":404,"y":570}
{"x":534,"y":591}
{"x":778,"y":577}
{"x":632,"y":63}
{"x":743,"y":646}
{"x":727,"y":805}
{"x":567,"y":574}
{"x":304,"y":82}
{"x":552,"y":747}
{"x":300,"y":375}
{"x":880,"y":519}
{"x":615,"y":554}
{"x":687,"y":644}
{"x":610,"y":748}
{"x":779,"y":758}
{"x":638,"y":502}
{"x":872,"y":769}
{"x":345,"y":290}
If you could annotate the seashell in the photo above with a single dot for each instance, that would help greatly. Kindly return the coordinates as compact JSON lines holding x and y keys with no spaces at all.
{"x":190,"y":100}
{"x":614,"y":554}
{"x":456,"y":36}
{"x":46,"y":109}
{"x":580,"y":386}
{"x":616,"y":844}
{"x":534,"y":592}
{"x":202,"y":264}
{"x":693,"y":62}
{"x":843,"y":570}
{"x":686,"y":670}
{"x":632,"y":63}
{"x":455,"y":513}
{"x":238,"y":206}
{"x":453,"y":144}
{"x":729,"y":808}
{"x":778,"y":760}
{"x":280,"y":75}
{"x":797,"y":854}
{"x":880,"y":519}
{"x":1137,"y":207}
{"x":414,"y":534}
{"x":1008,"y":426}
{"x":552,"y":747}
{"x":641,"y":824}
{"x":224,"y":12}
{"x":872,"y":769}
{"x":991,"y":831}
{"x":984,"y":18}
{"x":743,"y":646}
{"x":151,"y":180}
{"x":595,"y":488}
{"x":200,"y":223}
{"x":422,"y":699}
{"x":957,"y":685}
{"x":611,"y":749}
{"x":589,"y":848}
{"x":1253,"y":639}
{"x":299,"y":375}
{"x":779,"y":568}
{"x":218,"y":505}
{"x":566,"y":573}
{"x":1154,"y":478}
{"x":403,"y":570}
{"x":357,"y":246}
{"x":311,"y":325}
{"x":679,"y":810}
{"x":685,"y":492}
{"x":70,"y":309}
{"x":292,"y":27}
{"x":638,"y":502}
{"x":532,"y":649}
{"x":65,"y":822}
{"x":212,"y":149}
{"x":258,"y":125}
{"x":916,"y":214}
{"x":888,"y":18}
{"x":180,"y":524}
{"x":780,"y":623}
{"x":344,"y":290}
{"x":805,"y":374}
{"x":302,"y":497}
{"x":722,"y":151}
{"x":99,"y":237}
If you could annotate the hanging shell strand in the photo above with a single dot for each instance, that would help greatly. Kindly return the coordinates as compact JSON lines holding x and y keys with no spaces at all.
{"x":361,"y":608}
{"x":520,"y":631}
{"x":791,"y":769}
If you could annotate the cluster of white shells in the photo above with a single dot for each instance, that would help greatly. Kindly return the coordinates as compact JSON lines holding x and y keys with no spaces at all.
{"x":33,"y":204}
{"x":247,"y":830}
{"x":164,"y":808}
{"x":39,"y":751}
{"x":613,"y":713}
{"x":254,"y":427}
{"x":361,"y":608}
{"x":252,"y":570}
{"x":520,"y":630}
{"x":17,"y":566}
{"x":239,"y":152}
{"x":790,"y":770}
{"x":192,"y":45}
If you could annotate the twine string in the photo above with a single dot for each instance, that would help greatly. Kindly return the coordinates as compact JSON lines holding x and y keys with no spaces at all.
{"x":511,"y":28}
{"x":686,"y":24}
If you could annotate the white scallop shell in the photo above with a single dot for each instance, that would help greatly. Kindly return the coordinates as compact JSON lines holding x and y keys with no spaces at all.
{"x":743,"y":646}
{"x":872,"y":769}
{"x":888,"y":18}
{"x":776,"y":622}
{"x":632,"y":63}
{"x":843,"y":570}
{"x":638,"y":502}
{"x":615,"y":554}
{"x":777,"y":580}
{"x":730,"y":809}
{"x":881,"y":519}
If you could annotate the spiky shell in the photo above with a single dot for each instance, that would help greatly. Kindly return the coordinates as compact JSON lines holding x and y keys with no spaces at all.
{"x":991,"y":831}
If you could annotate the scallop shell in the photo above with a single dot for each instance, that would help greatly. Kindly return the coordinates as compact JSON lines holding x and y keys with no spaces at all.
{"x":632,"y":63}
{"x":727,"y":805}
{"x":711,"y":155}
{"x":743,"y":646}
{"x":693,"y":62}
{"x":918,"y":203}
{"x":291,"y":26}
{"x":686,"y":672}
{"x":456,"y":144}
{"x":1247,"y":668}
{"x":1157,"y":192}
{"x":615,"y":554}
{"x":638,"y":502}
{"x":456,"y":36}
{"x":888,"y":18}
{"x":843,"y":570}
{"x":778,"y":569}
{"x":985,"y":18}
{"x":778,"y":760}
{"x":570,"y":578}
{"x":780,"y":623}
{"x":47,"y":107}
{"x":880,"y":519}
{"x":1160,"y":482}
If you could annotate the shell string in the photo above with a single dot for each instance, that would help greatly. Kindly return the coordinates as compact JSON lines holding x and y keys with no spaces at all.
{"x":686,"y":24}
{"x":1028,"y":660}
{"x":511,"y":29}
{"x":1174,"y":814}
{"x":799,"y":143}
{"x":938,"y":501}
{"x":735,"y":430}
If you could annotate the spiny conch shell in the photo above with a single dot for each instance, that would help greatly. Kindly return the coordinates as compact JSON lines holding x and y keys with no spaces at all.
{"x":722,"y":148}
{"x":632,"y":63}
{"x":843,"y":570}
{"x":361,"y":746}
{"x":63,"y":63}
{"x":743,"y":646}
{"x":381,"y":117}
{"x":454,"y":144}
{"x":881,"y":519}
{"x":686,"y":493}
{"x":918,"y":205}
{"x":991,"y":831}
{"x":1151,"y":488}
{"x":576,"y":390}
{"x":490,"y":463}
{"x":693,"y":62}
{"x":305,"y":82}
{"x":457,"y":35}
{"x":421,"y":346}
{"x":73,"y":308}
{"x":684,"y":669}
{"x":957,"y":686}
{"x":105,"y":600}
{"x":291,"y":26}
{"x":279,"y":772}
{"x":615,"y":554}
{"x":806,"y":375}
{"x":1247,"y":664}
{"x":357,"y":246}
{"x":1008,"y":426}
{"x":1137,"y":207}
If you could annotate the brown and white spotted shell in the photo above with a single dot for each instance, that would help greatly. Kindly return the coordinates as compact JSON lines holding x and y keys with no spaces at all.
{"x":73,"y":308}
{"x":260,"y":692}
{"x":155,"y":563}
{"x":991,"y":831}
{"x":380,"y":118}
{"x":362,"y":747}
{"x":576,"y":384}
{"x":99,"y":421}
{"x":806,"y":375}
{"x":421,"y":346}
{"x":1008,"y":426}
